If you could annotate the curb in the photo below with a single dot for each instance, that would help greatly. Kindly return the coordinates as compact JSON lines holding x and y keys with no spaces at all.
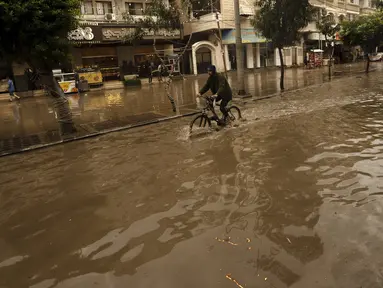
{"x":160,"y":120}
{"x":100,"y":133}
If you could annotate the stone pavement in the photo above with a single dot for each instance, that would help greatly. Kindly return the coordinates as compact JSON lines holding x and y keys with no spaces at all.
{"x":35,"y":122}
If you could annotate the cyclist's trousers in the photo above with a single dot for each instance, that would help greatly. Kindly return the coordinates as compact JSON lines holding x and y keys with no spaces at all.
{"x":222,"y":106}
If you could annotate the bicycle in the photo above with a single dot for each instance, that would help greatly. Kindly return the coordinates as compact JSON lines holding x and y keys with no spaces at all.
{"x":204,"y":121}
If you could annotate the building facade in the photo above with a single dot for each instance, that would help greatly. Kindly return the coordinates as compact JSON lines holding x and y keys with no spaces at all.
{"x":100,"y":40}
{"x":201,"y":23}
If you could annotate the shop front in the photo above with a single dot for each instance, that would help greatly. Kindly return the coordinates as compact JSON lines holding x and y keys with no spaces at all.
{"x":105,"y":47}
{"x":252,"y":41}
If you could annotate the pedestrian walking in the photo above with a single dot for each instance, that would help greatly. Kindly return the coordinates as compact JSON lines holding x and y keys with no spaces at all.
{"x":11,"y":89}
{"x":160,"y":73}
{"x":77,"y":82}
{"x":150,"y":74}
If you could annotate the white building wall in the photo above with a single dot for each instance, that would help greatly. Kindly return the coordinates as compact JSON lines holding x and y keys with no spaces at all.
{"x":249,"y":56}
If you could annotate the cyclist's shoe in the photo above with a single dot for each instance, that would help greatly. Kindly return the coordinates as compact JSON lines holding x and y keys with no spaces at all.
{"x":221,"y":122}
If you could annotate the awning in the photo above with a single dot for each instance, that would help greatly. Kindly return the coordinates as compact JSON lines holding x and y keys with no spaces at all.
{"x":249,"y":35}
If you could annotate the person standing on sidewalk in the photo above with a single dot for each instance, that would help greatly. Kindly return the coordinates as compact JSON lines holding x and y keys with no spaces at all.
{"x":160,"y":72}
{"x":150,"y":73}
{"x":11,"y":89}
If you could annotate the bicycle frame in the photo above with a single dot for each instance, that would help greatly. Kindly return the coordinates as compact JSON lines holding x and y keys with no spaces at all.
{"x":209,"y":108}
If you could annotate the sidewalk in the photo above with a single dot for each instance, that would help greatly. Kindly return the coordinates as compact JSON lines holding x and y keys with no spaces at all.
{"x":34,"y":122}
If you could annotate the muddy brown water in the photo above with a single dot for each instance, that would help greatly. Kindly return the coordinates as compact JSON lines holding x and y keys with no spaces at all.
{"x":294,"y":200}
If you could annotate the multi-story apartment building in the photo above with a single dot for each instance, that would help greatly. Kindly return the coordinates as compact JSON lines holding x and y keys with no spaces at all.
{"x":103,"y":27}
{"x":257,"y":52}
{"x":100,"y":39}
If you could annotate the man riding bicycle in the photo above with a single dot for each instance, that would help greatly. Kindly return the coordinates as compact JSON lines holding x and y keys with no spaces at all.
{"x":220,"y":88}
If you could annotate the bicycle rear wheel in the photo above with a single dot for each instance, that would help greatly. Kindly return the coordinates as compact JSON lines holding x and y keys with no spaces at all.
{"x":201,"y":121}
{"x":234,"y":113}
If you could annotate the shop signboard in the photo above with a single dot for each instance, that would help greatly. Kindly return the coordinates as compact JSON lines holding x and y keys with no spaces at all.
{"x":117,"y":33}
{"x":87,"y":35}
{"x":249,"y":35}
{"x":81,"y":34}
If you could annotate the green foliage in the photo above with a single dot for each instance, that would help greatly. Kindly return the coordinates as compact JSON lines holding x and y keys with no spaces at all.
{"x":378,"y":4}
{"x":326,"y":25}
{"x":366,"y":31}
{"x":281,"y":20}
{"x":35,"y":31}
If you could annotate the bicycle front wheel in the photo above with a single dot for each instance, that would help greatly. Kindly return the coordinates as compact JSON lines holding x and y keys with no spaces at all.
{"x":201,"y":121}
{"x":234,"y":113}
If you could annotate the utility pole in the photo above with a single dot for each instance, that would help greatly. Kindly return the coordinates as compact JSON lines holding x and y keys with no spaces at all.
{"x":239,"y":51}
{"x":220,"y":41}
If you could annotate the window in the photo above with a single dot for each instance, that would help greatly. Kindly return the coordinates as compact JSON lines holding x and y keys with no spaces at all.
{"x":87,"y":8}
{"x":103,"y":7}
{"x":201,"y":8}
{"x":135,"y":8}
{"x":331,"y":17}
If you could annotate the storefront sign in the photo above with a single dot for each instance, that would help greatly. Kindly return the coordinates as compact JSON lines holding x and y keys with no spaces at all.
{"x":249,"y":35}
{"x":113,"y":34}
{"x":81,"y":34}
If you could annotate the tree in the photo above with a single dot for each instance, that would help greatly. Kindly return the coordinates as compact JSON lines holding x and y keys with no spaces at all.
{"x":366,"y":31}
{"x":328,"y":27}
{"x":35,"y":32}
{"x":161,"y":16}
{"x":378,"y":4}
{"x":281,"y":21}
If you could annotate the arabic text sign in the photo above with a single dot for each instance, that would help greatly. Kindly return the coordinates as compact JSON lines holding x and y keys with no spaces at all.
{"x":113,"y":34}
{"x":81,"y":34}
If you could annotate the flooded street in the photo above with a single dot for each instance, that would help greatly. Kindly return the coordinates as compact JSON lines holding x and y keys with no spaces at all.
{"x":291,"y":200}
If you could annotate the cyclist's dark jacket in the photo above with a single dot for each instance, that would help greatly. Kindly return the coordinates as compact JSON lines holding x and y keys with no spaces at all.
{"x":218,"y":84}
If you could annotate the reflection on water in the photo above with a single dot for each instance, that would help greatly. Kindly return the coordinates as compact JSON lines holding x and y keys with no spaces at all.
{"x":290,"y":202}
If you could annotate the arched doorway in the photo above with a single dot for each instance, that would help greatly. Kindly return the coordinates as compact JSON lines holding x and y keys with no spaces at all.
{"x":203,"y":56}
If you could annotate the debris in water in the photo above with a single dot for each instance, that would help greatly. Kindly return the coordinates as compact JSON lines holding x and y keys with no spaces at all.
{"x":228,"y":276}
{"x":249,"y":248}
{"x":248,"y":240}
{"x":288,"y":240}
{"x":265,"y":278}
{"x":226,"y":241}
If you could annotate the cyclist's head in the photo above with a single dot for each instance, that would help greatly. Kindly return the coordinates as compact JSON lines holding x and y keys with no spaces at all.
{"x":211,"y":70}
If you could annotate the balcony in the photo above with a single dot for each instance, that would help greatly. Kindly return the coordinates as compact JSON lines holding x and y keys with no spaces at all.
{"x":367,"y":10}
{"x":353,"y":7}
{"x":203,"y":23}
{"x":104,"y":12}
{"x":311,"y":27}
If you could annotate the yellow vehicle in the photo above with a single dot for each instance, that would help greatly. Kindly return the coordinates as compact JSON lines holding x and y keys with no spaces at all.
{"x":67,"y":82}
{"x":93,"y":76}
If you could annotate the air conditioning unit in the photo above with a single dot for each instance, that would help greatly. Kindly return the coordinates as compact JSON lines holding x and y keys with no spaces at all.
{"x":110,"y":17}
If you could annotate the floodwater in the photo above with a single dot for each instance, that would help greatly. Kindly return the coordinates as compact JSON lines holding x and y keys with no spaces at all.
{"x":291,"y":200}
{"x":107,"y":109}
